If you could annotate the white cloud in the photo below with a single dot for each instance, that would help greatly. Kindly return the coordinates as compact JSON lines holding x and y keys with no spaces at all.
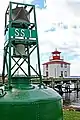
{"x":66,"y":40}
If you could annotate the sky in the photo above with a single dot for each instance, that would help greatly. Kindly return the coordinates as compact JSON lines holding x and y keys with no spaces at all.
{"x":58,"y":23}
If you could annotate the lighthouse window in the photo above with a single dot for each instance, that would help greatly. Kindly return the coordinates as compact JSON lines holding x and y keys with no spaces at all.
{"x":65,"y":65}
{"x":46,"y":74}
{"x":46,"y":66}
{"x":65,"y":73}
{"x":61,"y":65}
{"x":61,"y":73}
{"x":57,"y":54}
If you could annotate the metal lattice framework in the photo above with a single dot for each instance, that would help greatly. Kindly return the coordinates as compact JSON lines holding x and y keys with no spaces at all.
{"x":19,"y":30}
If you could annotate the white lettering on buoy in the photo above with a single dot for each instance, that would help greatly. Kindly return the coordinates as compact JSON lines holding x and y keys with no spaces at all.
{"x":17,"y":32}
{"x":22,"y":33}
{"x":30,"y":33}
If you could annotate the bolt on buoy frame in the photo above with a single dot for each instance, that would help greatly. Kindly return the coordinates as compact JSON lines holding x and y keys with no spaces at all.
{"x":16,"y":34}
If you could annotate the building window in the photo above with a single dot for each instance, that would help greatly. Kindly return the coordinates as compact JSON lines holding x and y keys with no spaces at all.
{"x":65,"y":65}
{"x":61,"y":73}
{"x":58,"y":54}
{"x":65,"y":73}
{"x":46,"y":66}
{"x":46,"y":74}
{"x":61,"y":65}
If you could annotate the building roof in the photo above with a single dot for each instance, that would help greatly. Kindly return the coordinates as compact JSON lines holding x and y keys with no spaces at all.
{"x":56,"y":62}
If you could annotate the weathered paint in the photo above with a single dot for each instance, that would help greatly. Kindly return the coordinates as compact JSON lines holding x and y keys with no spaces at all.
{"x":34,"y":104}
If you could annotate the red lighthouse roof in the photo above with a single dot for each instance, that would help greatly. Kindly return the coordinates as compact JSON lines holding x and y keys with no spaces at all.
{"x":56,"y":52}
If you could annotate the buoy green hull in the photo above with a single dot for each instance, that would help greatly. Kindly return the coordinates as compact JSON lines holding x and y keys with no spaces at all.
{"x":33,"y":104}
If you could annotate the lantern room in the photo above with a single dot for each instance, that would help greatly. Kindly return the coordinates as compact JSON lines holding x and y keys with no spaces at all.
{"x":56,"y":55}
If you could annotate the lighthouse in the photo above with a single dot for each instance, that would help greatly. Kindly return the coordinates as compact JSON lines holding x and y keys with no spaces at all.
{"x":56,"y":66}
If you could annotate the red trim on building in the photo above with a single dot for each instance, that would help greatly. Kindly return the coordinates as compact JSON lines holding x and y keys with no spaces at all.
{"x":56,"y":57}
{"x":56,"y":62}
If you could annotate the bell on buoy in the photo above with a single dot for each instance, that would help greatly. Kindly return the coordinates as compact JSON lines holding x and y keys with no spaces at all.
{"x":20,"y":49}
{"x":20,"y":15}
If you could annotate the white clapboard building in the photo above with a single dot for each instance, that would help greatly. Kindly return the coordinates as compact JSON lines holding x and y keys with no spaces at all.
{"x":56,"y":67}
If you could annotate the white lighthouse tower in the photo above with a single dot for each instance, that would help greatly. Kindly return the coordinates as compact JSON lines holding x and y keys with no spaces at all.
{"x":56,"y":67}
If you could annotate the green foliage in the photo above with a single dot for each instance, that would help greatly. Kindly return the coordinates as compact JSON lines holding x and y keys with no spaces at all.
{"x":71,"y":115}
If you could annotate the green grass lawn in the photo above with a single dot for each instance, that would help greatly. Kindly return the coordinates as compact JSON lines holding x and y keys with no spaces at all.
{"x":71,"y":115}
